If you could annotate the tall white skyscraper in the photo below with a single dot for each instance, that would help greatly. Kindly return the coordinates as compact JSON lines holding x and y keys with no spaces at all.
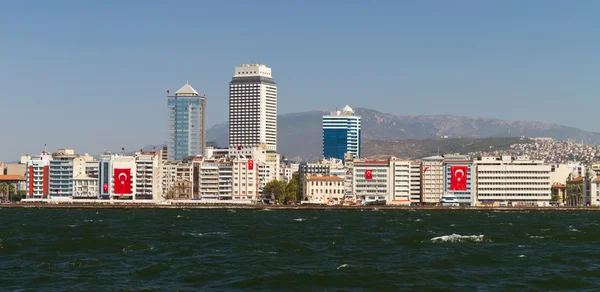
{"x":253,"y":107}
{"x":187,"y":129}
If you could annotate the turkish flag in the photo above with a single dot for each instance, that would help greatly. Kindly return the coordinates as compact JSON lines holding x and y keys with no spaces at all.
{"x":240,"y":147}
{"x":106,"y":188}
{"x":122,"y":184}
{"x":458,"y":178}
{"x":250,"y":164}
{"x":369,"y":174}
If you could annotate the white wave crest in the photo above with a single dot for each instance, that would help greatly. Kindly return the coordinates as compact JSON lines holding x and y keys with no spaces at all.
{"x":454,"y":238}
{"x":522,"y":256}
{"x":344,"y":266}
{"x":299,"y":219}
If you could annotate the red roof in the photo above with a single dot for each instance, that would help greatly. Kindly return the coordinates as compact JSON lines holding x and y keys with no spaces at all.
{"x":11,"y":177}
{"x":326,"y":178}
{"x":597,"y":179}
{"x":577,"y":179}
{"x":559,"y":186}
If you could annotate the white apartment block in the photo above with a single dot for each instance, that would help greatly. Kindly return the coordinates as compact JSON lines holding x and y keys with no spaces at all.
{"x":432,"y":182}
{"x":245,"y":179}
{"x":208,"y":183}
{"x":402,"y":182}
{"x":148,"y":176}
{"x":225,"y":178}
{"x":415,"y":182}
{"x":65,"y":165}
{"x":327,"y":190}
{"x":253,"y":107}
{"x":513,"y":181}
{"x":380,"y":187}
{"x":85,"y":187}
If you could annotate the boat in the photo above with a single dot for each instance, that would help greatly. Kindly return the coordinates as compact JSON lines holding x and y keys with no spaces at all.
{"x":449,"y":200}
{"x":375,"y":202}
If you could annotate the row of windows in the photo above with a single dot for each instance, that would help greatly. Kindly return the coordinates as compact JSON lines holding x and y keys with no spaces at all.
{"x":326,"y":191}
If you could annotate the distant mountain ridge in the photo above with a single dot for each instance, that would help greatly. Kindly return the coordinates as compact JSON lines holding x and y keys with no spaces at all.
{"x":300,"y":134}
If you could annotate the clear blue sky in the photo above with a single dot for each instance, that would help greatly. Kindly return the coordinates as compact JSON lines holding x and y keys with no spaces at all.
{"x":92,"y":75}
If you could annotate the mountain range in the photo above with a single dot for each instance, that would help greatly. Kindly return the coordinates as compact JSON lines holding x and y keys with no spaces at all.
{"x":300,"y":134}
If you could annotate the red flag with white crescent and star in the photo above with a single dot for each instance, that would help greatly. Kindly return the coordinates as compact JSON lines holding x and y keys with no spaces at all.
{"x":122,"y":184}
{"x":250,"y":164}
{"x":458,"y":178}
{"x":239,"y":147}
{"x":369,"y":174}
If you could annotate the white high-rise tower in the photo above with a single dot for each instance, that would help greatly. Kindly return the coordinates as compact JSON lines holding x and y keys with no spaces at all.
{"x":253,"y":107}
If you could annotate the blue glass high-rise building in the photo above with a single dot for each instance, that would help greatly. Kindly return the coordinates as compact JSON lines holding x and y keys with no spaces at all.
{"x":341,"y":134}
{"x":187,"y":130}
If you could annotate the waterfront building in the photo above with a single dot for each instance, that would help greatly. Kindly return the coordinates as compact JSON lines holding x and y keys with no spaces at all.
{"x":401,"y":171}
{"x":513,"y":181}
{"x":12,"y":169}
{"x":104,"y":175}
{"x":225,"y":178}
{"x":245,"y":179}
{"x":432,"y":182}
{"x":288,"y":170}
{"x":169,"y":174}
{"x":459,"y":179}
{"x":37,"y":176}
{"x":415,"y":182}
{"x":65,"y":165}
{"x":341,"y":134}
{"x":187,"y":129}
{"x":15,"y":180}
{"x":148,"y":167}
{"x":208,"y":183}
{"x":85,"y":187}
{"x":372,"y":180}
{"x":123,"y":177}
{"x":323,"y":167}
{"x":253,"y":107}
{"x":327,"y":190}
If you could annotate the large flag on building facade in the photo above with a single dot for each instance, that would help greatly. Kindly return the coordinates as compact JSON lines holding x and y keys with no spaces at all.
{"x":250,"y":164}
{"x":458,"y":178}
{"x":122,"y":183}
{"x":369,"y":174}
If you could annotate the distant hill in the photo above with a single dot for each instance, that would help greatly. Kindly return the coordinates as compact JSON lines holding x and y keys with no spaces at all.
{"x":408,"y":148}
{"x":300,"y":134}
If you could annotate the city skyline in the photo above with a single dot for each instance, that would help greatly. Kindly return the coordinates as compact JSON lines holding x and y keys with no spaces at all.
{"x":465,"y":58}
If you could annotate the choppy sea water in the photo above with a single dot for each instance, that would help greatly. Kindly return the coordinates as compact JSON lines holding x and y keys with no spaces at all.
{"x":229,"y":250}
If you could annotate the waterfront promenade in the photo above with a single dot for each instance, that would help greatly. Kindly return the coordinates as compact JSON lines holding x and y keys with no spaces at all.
{"x":74,"y":205}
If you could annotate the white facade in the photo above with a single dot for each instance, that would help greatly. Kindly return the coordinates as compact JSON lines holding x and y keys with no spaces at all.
{"x":380,"y":187}
{"x":209,"y":179}
{"x":415,"y":182}
{"x":245,"y":180}
{"x":253,"y":107}
{"x":85,"y":187}
{"x":148,"y":176}
{"x":402,"y":182}
{"x":327,"y":190}
{"x":516,"y":181}
{"x":432,"y":183}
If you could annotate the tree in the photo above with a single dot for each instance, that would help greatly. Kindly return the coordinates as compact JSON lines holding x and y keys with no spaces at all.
{"x":275,"y":189}
{"x":4,"y":190}
{"x":12,"y":189}
{"x":292,"y":189}
{"x":575,"y":194}
{"x":18,"y":196}
{"x":556,"y":197}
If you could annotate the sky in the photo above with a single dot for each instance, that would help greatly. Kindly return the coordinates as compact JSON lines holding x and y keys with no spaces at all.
{"x":93,"y":75}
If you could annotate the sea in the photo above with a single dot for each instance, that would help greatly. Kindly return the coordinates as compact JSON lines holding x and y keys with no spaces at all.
{"x":300,"y":250}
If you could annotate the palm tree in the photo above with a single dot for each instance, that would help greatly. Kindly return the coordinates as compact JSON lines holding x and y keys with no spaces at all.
{"x":3,"y":189}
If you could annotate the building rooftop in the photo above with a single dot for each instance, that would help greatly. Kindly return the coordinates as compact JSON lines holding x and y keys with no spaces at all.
{"x":325,"y":178}
{"x":575,"y":180}
{"x":186,"y":90}
{"x":11,"y":177}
